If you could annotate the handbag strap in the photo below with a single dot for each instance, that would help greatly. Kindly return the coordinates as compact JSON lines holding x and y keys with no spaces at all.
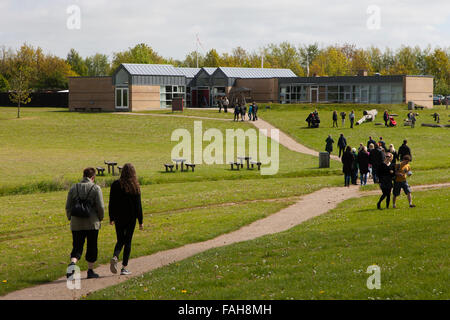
{"x":89,"y":192}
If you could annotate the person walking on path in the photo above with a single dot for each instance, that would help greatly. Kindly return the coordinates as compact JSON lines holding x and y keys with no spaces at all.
{"x":243,"y":112}
{"x":403,"y":151}
{"x":255,"y":111}
{"x":371,"y":141}
{"x":347,"y":165}
{"x":250,"y":112}
{"x":394,"y":153}
{"x":386,"y":118}
{"x":220,"y":104}
{"x":354,"y":166}
{"x":402,"y":170}
{"x":329,"y":145}
{"x":237,"y":112}
{"x":226,"y":102}
{"x":335,"y":119}
{"x":125,"y":208}
{"x":85,"y":211}
{"x":342,"y":143}
{"x":343,"y":115}
{"x":363,"y":164}
{"x":386,"y":173}
{"x":351,"y":116}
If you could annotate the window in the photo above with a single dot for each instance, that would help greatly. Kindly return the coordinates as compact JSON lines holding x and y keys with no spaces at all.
{"x":167,"y":93}
{"x":121,"y":97}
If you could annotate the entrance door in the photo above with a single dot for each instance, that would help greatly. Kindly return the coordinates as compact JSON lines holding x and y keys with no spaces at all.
{"x":122,"y":98}
{"x":203,"y":98}
{"x":314,"y":94}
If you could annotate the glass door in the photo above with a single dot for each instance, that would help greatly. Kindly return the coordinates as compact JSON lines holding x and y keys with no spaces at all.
{"x":122,"y":98}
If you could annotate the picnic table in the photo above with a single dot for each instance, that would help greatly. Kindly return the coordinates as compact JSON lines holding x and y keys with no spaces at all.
{"x":181,"y":161}
{"x":111,"y":165}
{"x":247,"y":159}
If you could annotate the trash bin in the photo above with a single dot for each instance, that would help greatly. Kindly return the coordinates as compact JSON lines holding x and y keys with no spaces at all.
{"x":410,"y":105}
{"x":324,"y":160}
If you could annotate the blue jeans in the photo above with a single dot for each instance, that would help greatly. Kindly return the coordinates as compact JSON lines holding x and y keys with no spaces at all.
{"x":347,"y":179}
{"x":363,"y":179}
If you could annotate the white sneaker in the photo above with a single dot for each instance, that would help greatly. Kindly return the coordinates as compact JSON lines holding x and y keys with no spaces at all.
{"x":113,"y":265}
{"x":124,"y":272}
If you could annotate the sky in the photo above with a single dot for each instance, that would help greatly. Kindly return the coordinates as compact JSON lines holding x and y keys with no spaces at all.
{"x":171,"y":26}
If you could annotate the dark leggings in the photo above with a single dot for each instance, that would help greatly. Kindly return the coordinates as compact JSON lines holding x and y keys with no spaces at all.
{"x":78,"y":239}
{"x":386,"y":194}
{"x":124,"y":236}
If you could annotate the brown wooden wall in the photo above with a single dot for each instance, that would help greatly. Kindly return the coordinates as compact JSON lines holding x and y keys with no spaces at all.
{"x":144,"y":98}
{"x":91,"y":92}
{"x":263,"y":90}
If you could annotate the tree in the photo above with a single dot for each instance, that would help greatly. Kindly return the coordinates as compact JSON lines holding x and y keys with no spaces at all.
{"x":438,"y":65}
{"x":4,"y":84}
{"x":97,"y":65}
{"x":284,"y":55}
{"x":140,"y":53}
{"x":307,"y":55}
{"x":330,"y":62}
{"x":360,"y":61}
{"x":20,"y":90}
{"x":190,"y":61}
{"x":212,"y":59}
{"x":77,"y":63}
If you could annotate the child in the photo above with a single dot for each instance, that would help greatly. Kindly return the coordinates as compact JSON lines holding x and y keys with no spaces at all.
{"x":402,"y":170}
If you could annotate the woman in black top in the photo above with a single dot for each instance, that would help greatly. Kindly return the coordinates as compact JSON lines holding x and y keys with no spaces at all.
{"x":124,"y":208}
{"x":347,"y":167}
{"x":386,"y":174}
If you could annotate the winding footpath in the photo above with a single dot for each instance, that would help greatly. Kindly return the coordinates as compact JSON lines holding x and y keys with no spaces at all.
{"x":309,"y":206}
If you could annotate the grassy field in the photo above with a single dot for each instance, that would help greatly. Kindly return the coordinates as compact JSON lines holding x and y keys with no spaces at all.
{"x":430,"y":146}
{"x":174,"y":215}
{"x":47,"y":149}
{"x":323,"y":258}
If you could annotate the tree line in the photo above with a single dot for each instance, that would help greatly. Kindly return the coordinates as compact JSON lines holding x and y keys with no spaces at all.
{"x":47,"y":71}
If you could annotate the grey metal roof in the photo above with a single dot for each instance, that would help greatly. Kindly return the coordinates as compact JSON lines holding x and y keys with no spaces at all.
{"x":136,"y":69}
{"x":257,"y":72}
{"x":189,"y":72}
{"x":209,"y":70}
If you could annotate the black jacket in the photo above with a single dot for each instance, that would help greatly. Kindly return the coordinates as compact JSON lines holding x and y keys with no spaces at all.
{"x":363,"y":162}
{"x":347,"y":160}
{"x":385,"y":175}
{"x":342,"y":142}
{"x":403,"y":150}
{"x":124,"y":208}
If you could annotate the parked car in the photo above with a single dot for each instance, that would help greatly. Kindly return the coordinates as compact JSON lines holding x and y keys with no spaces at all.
{"x":438,"y":99}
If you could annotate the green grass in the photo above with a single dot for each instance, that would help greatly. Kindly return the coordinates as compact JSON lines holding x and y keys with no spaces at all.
{"x":430,"y":146}
{"x":47,"y":149}
{"x":174,"y":215}
{"x":323,"y":258}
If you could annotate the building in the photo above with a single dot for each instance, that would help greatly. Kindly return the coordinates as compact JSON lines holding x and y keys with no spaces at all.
{"x":137,"y":87}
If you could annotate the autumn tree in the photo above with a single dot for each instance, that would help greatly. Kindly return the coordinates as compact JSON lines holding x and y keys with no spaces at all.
{"x":140,"y":53}
{"x":20,"y":86}
{"x":330,"y":62}
{"x":77,"y":63}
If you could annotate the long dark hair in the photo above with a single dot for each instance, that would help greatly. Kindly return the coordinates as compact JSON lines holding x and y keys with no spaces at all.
{"x":128,"y":180}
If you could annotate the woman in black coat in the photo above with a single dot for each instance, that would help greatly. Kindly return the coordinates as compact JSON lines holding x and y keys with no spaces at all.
{"x":363,"y":163}
{"x":386,"y":173}
{"x":124,"y":209}
{"x":347,"y":168}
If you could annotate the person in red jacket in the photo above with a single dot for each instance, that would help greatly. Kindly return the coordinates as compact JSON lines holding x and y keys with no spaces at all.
{"x":124,"y":209}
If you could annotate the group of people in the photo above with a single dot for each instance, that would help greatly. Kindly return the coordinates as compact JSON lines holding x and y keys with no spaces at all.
{"x":313,"y":119}
{"x":223,"y":102}
{"x":241,"y":110}
{"x":124,"y":209}
{"x":388,"y":167}
{"x":343,"y":115}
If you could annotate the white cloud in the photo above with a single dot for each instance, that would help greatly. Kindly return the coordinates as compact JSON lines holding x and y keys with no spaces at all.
{"x":170,"y":26}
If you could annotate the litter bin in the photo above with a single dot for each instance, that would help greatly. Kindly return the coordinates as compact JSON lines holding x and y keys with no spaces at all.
{"x":410,"y":105}
{"x":324,"y":160}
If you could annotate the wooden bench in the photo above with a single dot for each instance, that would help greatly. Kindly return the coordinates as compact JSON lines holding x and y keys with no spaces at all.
{"x":80,"y":109}
{"x":237,"y":164}
{"x":189,"y":165}
{"x":257,"y":163}
{"x":169,"y":166}
{"x":100,"y":171}
{"x":96,"y":109}
{"x":419,"y":107}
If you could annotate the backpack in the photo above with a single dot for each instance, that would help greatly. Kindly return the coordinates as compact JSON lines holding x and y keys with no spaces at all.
{"x":82,"y":206}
